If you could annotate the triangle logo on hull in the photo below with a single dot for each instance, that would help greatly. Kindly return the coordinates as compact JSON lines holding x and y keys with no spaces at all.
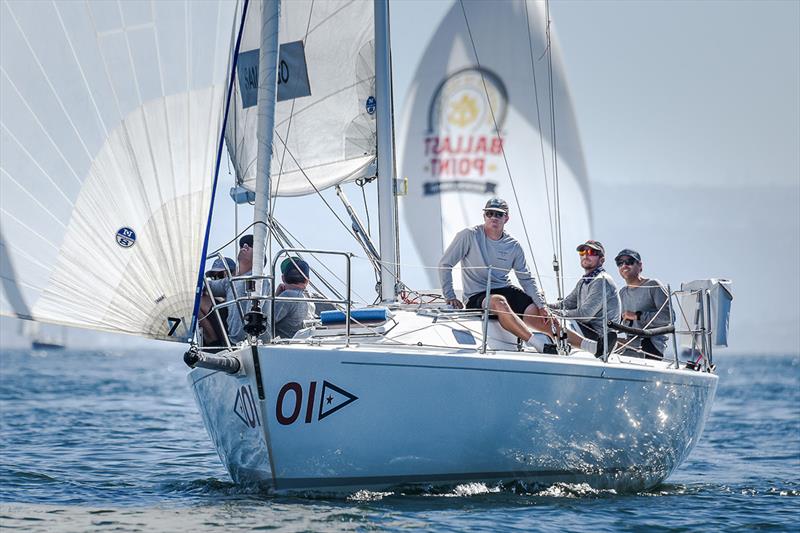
{"x":333,"y":398}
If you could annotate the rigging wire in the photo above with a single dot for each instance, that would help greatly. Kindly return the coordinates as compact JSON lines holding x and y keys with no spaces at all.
{"x":541,"y":137}
{"x":362,"y":182}
{"x":239,"y":234}
{"x":316,"y":189}
{"x":502,"y":148}
{"x":282,"y":228}
{"x":554,"y":150}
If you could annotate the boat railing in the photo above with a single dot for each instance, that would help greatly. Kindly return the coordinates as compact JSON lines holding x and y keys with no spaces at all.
{"x":698,"y":326}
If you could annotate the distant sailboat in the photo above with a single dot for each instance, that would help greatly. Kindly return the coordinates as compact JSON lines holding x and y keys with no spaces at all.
{"x":41,"y":337}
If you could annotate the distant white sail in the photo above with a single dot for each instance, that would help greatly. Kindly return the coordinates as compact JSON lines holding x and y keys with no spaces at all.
{"x":452,"y":154}
{"x":325,"y":114}
{"x":111,"y":117}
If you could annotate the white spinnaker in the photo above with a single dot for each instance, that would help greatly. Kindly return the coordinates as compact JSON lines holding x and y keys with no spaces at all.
{"x":451,"y":153}
{"x":111,"y":117}
{"x":330,"y":134}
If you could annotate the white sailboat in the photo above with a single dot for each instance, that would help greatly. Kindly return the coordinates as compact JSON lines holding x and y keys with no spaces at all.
{"x":127,"y":107}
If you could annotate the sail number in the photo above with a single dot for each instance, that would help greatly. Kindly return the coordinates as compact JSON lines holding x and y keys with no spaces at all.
{"x":290,"y":401}
{"x":245,"y":407}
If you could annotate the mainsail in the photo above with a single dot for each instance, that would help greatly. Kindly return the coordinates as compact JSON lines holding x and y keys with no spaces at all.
{"x":466,"y":116}
{"x":111,"y":117}
{"x":325,"y":115}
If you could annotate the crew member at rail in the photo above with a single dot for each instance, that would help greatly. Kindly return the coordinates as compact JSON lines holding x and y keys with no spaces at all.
{"x":644,"y":302}
{"x":485,"y":245}
{"x":584,"y":304}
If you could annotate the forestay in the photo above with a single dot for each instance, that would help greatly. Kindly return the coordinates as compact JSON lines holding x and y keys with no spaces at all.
{"x":455,"y":157}
{"x":111,"y":117}
{"x":325,"y":116}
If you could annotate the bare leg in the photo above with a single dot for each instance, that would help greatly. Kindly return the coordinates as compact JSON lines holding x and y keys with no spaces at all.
{"x":539,"y":319}
{"x":508,"y":319}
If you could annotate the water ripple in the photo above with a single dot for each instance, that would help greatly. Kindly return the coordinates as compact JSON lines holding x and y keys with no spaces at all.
{"x":95,"y":441}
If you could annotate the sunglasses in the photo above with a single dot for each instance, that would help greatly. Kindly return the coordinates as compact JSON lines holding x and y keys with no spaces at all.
{"x":494,"y":214}
{"x":588,"y":251}
{"x":628,"y":262}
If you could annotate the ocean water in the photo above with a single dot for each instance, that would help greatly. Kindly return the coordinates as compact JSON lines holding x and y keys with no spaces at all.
{"x":94,"y":441}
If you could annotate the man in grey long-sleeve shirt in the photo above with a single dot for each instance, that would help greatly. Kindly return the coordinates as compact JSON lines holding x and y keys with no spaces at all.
{"x":593,"y":300}
{"x":644,"y":302}
{"x":479,"y":247}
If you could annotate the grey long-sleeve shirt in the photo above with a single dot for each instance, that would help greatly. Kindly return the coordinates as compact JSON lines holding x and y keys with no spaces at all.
{"x":586,"y":300}
{"x":649,"y":299}
{"x":475,"y":252}
{"x":290,"y":316}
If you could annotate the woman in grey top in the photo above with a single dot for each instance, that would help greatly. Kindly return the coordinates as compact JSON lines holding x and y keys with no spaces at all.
{"x":644,"y":302}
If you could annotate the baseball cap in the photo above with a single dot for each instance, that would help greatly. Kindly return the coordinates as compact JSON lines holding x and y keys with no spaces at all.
{"x":295,"y":269}
{"x":630,"y":253}
{"x":594,"y":245}
{"x":496,"y":204}
{"x":246,"y":239}
{"x":219,"y":265}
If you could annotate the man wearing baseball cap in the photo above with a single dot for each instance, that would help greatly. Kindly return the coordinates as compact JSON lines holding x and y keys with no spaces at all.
{"x":487,"y":244}
{"x":209,"y":324}
{"x":644,"y":303}
{"x":221,"y":268}
{"x":290,"y":316}
{"x":585,"y":303}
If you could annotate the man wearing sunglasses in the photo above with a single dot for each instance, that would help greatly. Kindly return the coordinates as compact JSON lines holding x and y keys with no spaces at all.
{"x":644,"y":302}
{"x":210,"y":326}
{"x":585,"y":303}
{"x":489,"y":245}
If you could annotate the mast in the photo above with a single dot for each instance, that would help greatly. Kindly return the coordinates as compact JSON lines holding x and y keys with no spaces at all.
{"x":267,"y":93}
{"x":387,"y":200}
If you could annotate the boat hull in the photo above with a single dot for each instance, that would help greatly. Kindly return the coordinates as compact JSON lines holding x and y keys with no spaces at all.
{"x":340,"y":419}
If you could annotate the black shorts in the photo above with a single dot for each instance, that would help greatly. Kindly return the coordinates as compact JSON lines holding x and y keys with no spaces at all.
{"x":517,"y":299}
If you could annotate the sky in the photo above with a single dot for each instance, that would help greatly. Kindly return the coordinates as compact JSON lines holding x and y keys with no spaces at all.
{"x":689,"y":115}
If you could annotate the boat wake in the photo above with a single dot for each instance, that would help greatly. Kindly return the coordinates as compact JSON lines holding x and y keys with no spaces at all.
{"x":467,"y":490}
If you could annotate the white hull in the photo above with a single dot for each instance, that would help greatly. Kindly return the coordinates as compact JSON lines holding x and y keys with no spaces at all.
{"x":449,"y":416}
